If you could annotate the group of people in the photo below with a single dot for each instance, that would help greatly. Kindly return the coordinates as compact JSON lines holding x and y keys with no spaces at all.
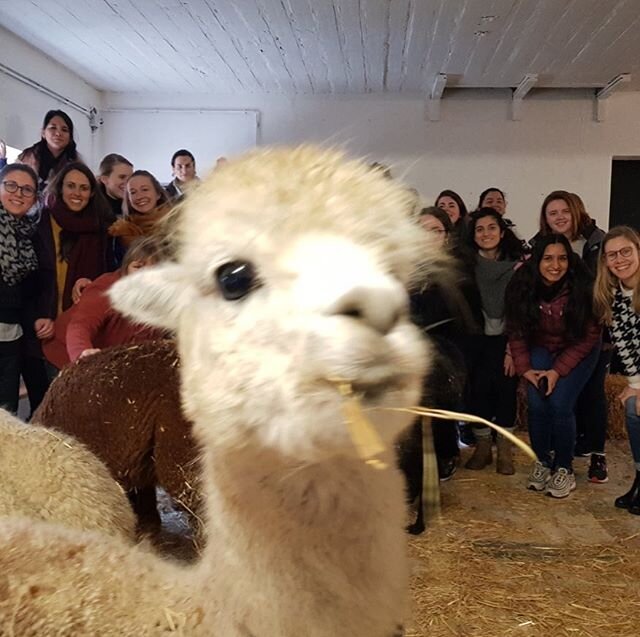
{"x":551,"y":311}
{"x":66,"y":235}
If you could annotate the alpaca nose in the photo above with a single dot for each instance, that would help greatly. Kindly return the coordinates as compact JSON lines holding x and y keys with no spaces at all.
{"x":379,"y":308}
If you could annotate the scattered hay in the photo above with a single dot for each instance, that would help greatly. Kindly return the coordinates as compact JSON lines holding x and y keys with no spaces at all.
{"x":468,"y":583}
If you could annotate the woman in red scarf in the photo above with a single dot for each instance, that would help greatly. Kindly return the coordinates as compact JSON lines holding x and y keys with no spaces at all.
{"x":77,"y":216}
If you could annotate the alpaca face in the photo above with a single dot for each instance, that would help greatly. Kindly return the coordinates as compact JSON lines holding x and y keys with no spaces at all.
{"x":291,"y":275}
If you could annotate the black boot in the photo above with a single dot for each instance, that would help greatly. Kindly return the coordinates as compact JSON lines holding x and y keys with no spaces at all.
{"x":630,"y":497}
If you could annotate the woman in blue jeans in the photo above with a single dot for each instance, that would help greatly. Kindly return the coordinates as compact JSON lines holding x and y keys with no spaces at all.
{"x":617,"y":303}
{"x":555,"y":342}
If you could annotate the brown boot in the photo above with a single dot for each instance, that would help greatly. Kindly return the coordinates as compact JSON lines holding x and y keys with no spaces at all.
{"x":482,"y":454}
{"x":504,"y":463}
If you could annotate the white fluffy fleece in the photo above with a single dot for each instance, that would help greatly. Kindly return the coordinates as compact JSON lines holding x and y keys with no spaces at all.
{"x":305,"y":538}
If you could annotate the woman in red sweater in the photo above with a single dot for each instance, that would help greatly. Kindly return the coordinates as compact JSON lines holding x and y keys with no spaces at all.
{"x":555,"y":342}
{"x":92,"y":324}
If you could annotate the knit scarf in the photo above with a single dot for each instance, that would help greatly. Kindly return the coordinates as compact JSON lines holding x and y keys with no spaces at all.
{"x":139,"y":225}
{"x":17,"y":255}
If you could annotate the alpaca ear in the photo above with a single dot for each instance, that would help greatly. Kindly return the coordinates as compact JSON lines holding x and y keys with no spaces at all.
{"x":154,"y":296}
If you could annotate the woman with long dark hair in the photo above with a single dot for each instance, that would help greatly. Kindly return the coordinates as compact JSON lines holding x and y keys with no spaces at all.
{"x":451,"y":202}
{"x":564,"y":213}
{"x":555,"y":343}
{"x":55,"y":148}
{"x":492,"y":381}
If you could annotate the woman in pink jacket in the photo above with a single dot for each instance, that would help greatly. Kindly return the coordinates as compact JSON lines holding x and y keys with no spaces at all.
{"x":555,"y":342}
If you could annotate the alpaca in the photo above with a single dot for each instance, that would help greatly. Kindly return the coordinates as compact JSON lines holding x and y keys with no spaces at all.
{"x":46,"y":475}
{"x":290,"y":275}
{"x":124,"y":404}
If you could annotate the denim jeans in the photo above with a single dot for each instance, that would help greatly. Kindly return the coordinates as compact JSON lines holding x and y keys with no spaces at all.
{"x":552,"y":424}
{"x":633,"y":428}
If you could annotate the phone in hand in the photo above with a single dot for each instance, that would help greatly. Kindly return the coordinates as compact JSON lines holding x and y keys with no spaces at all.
{"x":543,"y":385}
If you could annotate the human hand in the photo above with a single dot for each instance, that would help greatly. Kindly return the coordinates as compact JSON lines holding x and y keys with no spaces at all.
{"x":552,"y":377}
{"x":44,"y":328}
{"x":78,"y":289}
{"x":509,"y":367}
{"x":89,"y":352}
{"x":3,"y":149}
{"x":630,"y":392}
{"x":532,"y":376}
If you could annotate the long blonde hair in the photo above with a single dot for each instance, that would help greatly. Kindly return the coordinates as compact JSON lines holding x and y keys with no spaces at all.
{"x":606,"y":283}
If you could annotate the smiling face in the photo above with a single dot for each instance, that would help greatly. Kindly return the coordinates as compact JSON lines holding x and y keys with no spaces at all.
{"x":494,"y":199}
{"x":76,"y":190}
{"x":57,"y":135}
{"x":487,"y":234}
{"x":19,"y":202}
{"x":622,"y":259}
{"x":450,"y":206}
{"x":558,"y":217}
{"x":554,"y":263}
{"x":142,"y":194}
{"x":267,"y":324}
{"x":115,"y":182}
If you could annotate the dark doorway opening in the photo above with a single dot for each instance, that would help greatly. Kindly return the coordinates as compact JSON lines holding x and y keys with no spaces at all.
{"x":624,"y":205}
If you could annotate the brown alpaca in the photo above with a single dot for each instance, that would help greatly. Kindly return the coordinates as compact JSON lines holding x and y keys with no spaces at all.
{"x":124,"y":404}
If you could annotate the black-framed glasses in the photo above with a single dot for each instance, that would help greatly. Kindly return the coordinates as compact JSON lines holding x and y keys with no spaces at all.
{"x":12,"y":186}
{"x":625,"y":253}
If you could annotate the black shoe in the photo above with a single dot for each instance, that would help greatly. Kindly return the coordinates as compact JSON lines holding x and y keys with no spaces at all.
{"x":598,"y":469}
{"x":625,"y":501}
{"x":446,"y":468}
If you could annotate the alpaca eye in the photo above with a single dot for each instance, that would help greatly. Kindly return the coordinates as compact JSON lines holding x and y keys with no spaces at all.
{"x":236,"y":279}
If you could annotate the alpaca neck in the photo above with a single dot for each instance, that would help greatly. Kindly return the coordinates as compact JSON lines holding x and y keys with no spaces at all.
{"x":321,"y":536}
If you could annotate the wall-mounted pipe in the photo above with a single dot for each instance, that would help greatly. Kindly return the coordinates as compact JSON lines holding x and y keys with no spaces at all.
{"x":16,"y":75}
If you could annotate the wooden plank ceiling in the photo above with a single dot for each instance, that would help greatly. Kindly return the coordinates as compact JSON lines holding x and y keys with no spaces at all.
{"x":332,"y":46}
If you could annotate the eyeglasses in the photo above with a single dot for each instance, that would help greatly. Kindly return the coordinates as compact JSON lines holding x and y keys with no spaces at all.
{"x":12,"y":186}
{"x":625,"y":253}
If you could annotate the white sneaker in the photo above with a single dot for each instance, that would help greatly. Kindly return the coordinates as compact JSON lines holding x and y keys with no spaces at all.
{"x":539,"y":477}
{"x":561,"y":484}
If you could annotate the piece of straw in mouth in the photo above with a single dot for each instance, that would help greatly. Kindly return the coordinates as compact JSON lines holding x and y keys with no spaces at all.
{"x":365,"y":438}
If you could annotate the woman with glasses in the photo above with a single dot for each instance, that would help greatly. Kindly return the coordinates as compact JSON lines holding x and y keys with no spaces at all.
{"x":18,"y":267}
{"x":617,"y":304}
{"x":564,"y":213}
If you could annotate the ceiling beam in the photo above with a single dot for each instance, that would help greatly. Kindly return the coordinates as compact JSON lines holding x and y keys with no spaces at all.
{"x":435,"y":97}
{"x":520,"y":92}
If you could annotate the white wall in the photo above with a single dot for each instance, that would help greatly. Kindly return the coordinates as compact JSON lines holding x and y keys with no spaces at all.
{"x":557,"y":144}
{"x":22,"y":108}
